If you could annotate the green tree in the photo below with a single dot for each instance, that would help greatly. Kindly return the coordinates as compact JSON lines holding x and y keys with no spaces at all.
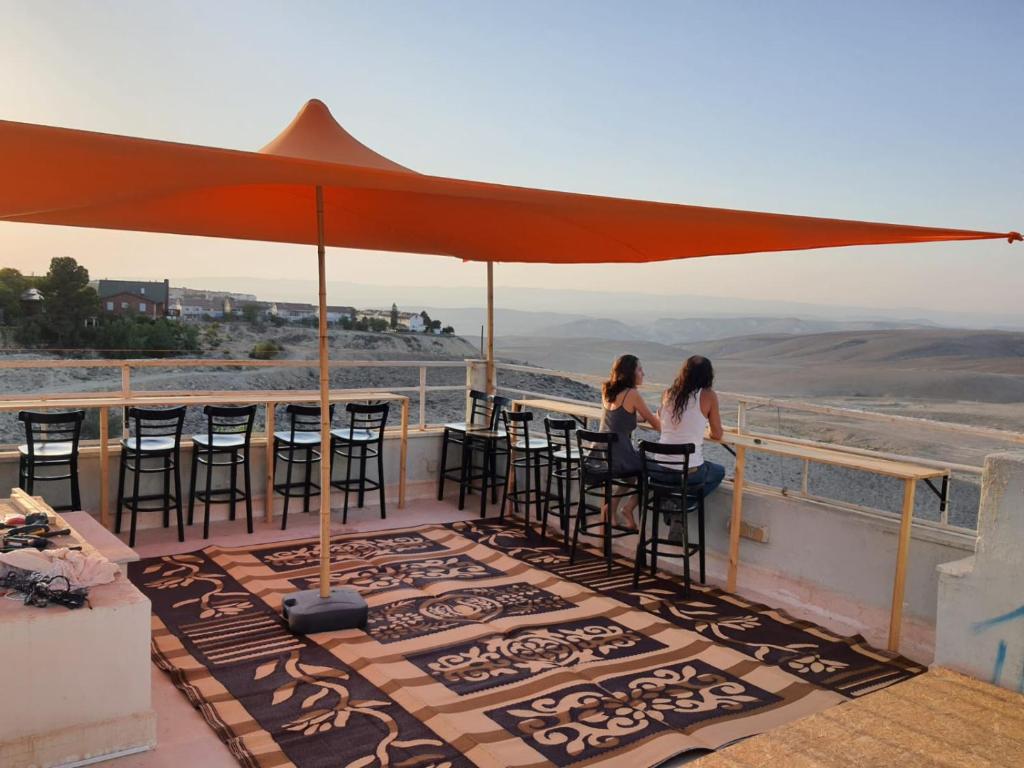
{"x":394,"y":317}
{"x":12,"y":285}
{"x":69,"y":301}
{"x":251,"y":313}
{"x":448,"y":330}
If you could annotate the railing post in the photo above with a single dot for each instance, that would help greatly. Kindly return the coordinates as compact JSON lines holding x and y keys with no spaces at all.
{"x":476,"y":378}
{"x":741,"y":417}
{"x":423,"y":397}
{"x":126,"y":390}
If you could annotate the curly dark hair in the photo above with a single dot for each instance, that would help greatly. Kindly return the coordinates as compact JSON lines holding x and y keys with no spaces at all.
{"x":695,"y":374}
{"x":621,"y":378}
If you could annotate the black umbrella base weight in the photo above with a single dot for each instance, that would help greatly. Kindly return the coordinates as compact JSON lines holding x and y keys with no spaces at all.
{"x":307,"y":613}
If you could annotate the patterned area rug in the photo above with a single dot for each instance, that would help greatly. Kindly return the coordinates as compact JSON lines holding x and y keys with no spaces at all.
{"x":484,"y":648}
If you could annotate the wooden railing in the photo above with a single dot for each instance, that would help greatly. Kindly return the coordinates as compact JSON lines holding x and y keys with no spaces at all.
{"x":743,"y":403}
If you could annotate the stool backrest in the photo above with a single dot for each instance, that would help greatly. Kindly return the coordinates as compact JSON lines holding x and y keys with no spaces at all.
{"x":306,"y":418}
{"x":666,"y":465}
{"x":229,"y":420}
{"x":372,"y":418}
{"x":560,"y":434}
{"x":156,"y":422}
{"x":596,"y":451}
{"x":517,"y":428}
{"x":485,"y":410}
{"x":43,"y":428}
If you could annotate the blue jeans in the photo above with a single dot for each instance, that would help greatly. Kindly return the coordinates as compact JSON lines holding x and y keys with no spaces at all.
{"x":711,"y":475}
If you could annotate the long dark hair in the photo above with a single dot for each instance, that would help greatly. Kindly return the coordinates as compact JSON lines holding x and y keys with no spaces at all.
{"x":695,"y":374}
{"x":621,"y":378}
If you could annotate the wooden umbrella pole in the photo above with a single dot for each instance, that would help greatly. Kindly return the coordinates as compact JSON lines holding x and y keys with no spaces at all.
{"x":325,"y":407}
{"x":491,"y":383}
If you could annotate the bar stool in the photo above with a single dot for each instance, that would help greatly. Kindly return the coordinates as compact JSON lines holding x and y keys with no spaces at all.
{"x":564,"y":458}
{"x":597,"y":449}
{"x":529,"y":454}
{"x":155,"y":434}
{"x":224,"y":444}
{"x":487,"y":443}
{"x":667,"y":488}
{"x":361,"y":440}
{"x":302,"y":437}
{"x":51,"y":440}
{"x":482,"y":416}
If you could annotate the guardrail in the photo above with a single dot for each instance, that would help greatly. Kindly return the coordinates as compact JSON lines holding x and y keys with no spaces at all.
{"x":743,"y":403}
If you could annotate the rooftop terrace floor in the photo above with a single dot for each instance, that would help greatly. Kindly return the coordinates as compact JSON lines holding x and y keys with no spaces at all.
{"x":184,"y":738}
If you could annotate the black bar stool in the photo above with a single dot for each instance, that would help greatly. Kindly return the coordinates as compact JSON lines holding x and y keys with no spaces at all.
{"x":666,"y":489}
{"x":597,"y":450}
{"x":51,"y":440}
{"x":564,"y":457}
{"x":488,"y":444}
{"x":224,"y":444}
{"x":361,"y":440}
{"x":155,"y":434}
{"x":302,"y":437}
{"x":529,"y":454}
{"x":482,"y":416}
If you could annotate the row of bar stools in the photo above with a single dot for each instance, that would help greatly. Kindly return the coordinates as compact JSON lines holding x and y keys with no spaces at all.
{"x":530,"y":454}
{"x":668,"y":489}
{"x":226,"y":443}
{"x":359,"y":442}
{"x":51,"y":441}
{"x":482,"y":436}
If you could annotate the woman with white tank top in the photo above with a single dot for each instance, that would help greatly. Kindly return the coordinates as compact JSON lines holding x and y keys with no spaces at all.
{"x":687,"y":409}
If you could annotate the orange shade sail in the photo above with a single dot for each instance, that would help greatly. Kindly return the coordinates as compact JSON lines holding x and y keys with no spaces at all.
{"x":85,"y":179}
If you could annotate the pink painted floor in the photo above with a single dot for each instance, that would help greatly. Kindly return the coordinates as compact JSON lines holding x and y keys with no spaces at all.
{"x":183,"y":737}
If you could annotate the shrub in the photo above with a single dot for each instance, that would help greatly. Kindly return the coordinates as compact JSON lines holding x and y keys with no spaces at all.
{"x":265,"y":350}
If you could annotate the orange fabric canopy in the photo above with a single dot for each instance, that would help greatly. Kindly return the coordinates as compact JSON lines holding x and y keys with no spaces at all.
{"x":79,"y":178}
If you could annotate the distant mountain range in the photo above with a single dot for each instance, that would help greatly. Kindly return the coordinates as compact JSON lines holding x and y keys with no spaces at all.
{"x":675,"y":330}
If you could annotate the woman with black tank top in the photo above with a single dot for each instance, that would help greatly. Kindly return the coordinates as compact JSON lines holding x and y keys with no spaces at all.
{"x":622,"y":405}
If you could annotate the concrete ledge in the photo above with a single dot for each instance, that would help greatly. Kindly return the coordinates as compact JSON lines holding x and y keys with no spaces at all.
{"x":82,"y":744}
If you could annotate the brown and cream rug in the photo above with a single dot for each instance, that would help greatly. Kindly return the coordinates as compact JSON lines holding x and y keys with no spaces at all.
{"x":484,"y":648}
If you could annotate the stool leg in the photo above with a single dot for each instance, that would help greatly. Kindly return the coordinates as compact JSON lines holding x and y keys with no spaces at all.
{"x":209,"y":490}
{"x":307,"y":487}
{"x":233,"y":456}
{"x":493,"y":454}
{"x":194,"y":466}
{"x":580,"y":512}
{"x":686,"y":550}
{"x":120,"y":493}
{"x":655,"y":533}
{"x":527,"y":491}
{"x":177,"y":495}
{"x":442,"y":469}
{"x":76,"y":494}
{"x":641,"y":544}
{"x":362,"y":475}
{"x":380,"y":478}
{"x":536,"y":484}
{"x":167,"y":489}
{"x":287,"y":484}
{"x":464,"y":471}
{"x":248,"y":489}
{"x":484,"y":477}
{"x":348,"y":481}
{"x":135,"y":499}
{"x":509,"y":469}
{"x":608,"y":526}
{"x":700,"y":537}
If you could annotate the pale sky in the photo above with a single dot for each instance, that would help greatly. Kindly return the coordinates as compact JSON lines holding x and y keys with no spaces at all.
{"x":910,"y":112}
